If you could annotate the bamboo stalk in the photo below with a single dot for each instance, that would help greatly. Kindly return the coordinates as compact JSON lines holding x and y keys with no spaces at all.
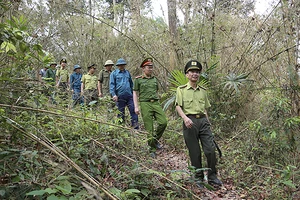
{"x":48,"y":144}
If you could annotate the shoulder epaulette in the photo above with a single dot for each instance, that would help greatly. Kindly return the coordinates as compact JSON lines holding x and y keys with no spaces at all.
{"x":204,"y":88}
{"x":182,"y":86}
{"x":139,"y":76}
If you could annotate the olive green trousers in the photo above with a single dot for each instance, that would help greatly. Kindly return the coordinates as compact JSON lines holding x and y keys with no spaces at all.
{"x":152,"y":111}
{"x":201,"y":132}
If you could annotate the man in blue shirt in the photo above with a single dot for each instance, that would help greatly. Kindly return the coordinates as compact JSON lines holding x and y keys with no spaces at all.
{"x":120,"y":87}
{"x":75,"y":85}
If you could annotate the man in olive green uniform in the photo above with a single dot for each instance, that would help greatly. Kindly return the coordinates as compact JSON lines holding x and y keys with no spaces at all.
{"x":191,"y":105}
{"x":62,"y":75}
{"x":89,"y":86}
{"x":62,"y":80}
{"x":50,"y":79}
{"x":145,"y":89}
{"x":103,"y":79}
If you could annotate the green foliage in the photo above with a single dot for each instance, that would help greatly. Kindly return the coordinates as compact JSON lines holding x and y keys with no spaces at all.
{"x":234,"y":81}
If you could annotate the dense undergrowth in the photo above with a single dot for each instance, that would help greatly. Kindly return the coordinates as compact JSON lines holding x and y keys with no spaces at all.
{"x":259,"y":160}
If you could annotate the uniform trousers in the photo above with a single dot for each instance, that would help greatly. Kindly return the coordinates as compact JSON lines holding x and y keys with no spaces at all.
{"x":90,"y":95}
{"x":127,"y":101}
{"x":201,"y":131}
{"x":152,"y":111}
{"x":76,"y":96}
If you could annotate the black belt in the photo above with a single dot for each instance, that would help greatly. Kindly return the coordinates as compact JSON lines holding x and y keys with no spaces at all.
{"x":150,"y":100}
{"x":197,"y":116}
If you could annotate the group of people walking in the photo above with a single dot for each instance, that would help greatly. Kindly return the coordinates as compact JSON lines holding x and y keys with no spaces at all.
{"x":140,"y":96}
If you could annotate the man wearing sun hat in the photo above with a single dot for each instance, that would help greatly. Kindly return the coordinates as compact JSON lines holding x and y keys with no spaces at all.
{"x":120,"y":87}
{"x":192,"y":104}
{"x":103,"y":79}
{"x":145,"y":88}
{"x":75,"y":85}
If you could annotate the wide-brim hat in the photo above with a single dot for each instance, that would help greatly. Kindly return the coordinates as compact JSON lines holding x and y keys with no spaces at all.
{"x":192,"y":64}
{"x":76,"y":67}
{"x":109,"y":62}
{"x":121,"y":61}
{"x":147,"y":62}
{"x":63,"y":60}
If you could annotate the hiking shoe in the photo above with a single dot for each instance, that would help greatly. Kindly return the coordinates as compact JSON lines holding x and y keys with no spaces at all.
{"x":215,"y":181}
{"x":158,"y":146}
{"x":153,"y":155}
{"x":199,"y":184}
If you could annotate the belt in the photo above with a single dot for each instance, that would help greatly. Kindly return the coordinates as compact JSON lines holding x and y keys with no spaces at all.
{"x":150,"y":100}
{"x":197,"y":116}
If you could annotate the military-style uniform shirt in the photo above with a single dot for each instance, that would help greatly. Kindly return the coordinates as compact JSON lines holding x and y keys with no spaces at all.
{"x":147,"y":88}
{"x":192,"y":101}
{"x":89,"y":81}
{"x":50,"y":76}
{"x":104,"y":80}
{"x":63,"y":75}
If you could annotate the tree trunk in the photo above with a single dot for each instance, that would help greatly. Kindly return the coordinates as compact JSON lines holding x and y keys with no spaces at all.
{"x":290,"y":15}
{"x":213,"y":33}
{"x":135,"y":6}
{"x":173,"y":32}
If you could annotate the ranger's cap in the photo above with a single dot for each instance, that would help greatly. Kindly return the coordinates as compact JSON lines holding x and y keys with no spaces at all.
{"x":52,"y":64}
{"x":192,"y":64}
{"x":109,"y":62}
{"x":121,"y":61}
{"x":147,"y":62}
{"x":63,"y":60}
{"x":93,"y":65}
{"x":76,"y":67}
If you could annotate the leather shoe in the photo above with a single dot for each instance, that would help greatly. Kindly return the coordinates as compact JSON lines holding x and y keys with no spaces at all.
{"x":215,"y":181}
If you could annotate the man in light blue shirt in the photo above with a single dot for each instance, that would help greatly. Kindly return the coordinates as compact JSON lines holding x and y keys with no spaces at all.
{"x":120,"y":87}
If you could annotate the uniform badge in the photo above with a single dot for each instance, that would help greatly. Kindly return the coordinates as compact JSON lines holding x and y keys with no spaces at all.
{"x":194,"y":63}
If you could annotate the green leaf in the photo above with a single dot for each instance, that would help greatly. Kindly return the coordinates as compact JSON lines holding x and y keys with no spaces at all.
{"x":131,"y":191}
{"x":8,"y":46}
{"x":36,"y":192}
{"x":50,"y":190}
{"x":289,"y":183}
{"x":2,"y":193}
{"x":53,"y":197}
{"x":64,"y":186}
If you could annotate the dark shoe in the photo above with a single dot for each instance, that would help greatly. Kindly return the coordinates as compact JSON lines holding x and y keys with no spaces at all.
{"x":215,"y":181}
{"x":153,"y":155}
{"x":158,"y":146}
{"x":199,"y":184}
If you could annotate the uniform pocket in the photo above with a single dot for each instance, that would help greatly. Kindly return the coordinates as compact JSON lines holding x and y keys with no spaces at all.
{"x":187,"y":104}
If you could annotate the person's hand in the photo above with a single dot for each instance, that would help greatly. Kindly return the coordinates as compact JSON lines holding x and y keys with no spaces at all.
{"x":72,"y":91}
{"x":100,"y":94}
{"x":188,"y":122}
{"x":81,"y":93}
{"x":115,"y":98}
{"x":136,"y":110}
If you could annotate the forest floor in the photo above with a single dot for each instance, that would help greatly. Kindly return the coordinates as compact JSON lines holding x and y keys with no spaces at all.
{"x":170,"y":160}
